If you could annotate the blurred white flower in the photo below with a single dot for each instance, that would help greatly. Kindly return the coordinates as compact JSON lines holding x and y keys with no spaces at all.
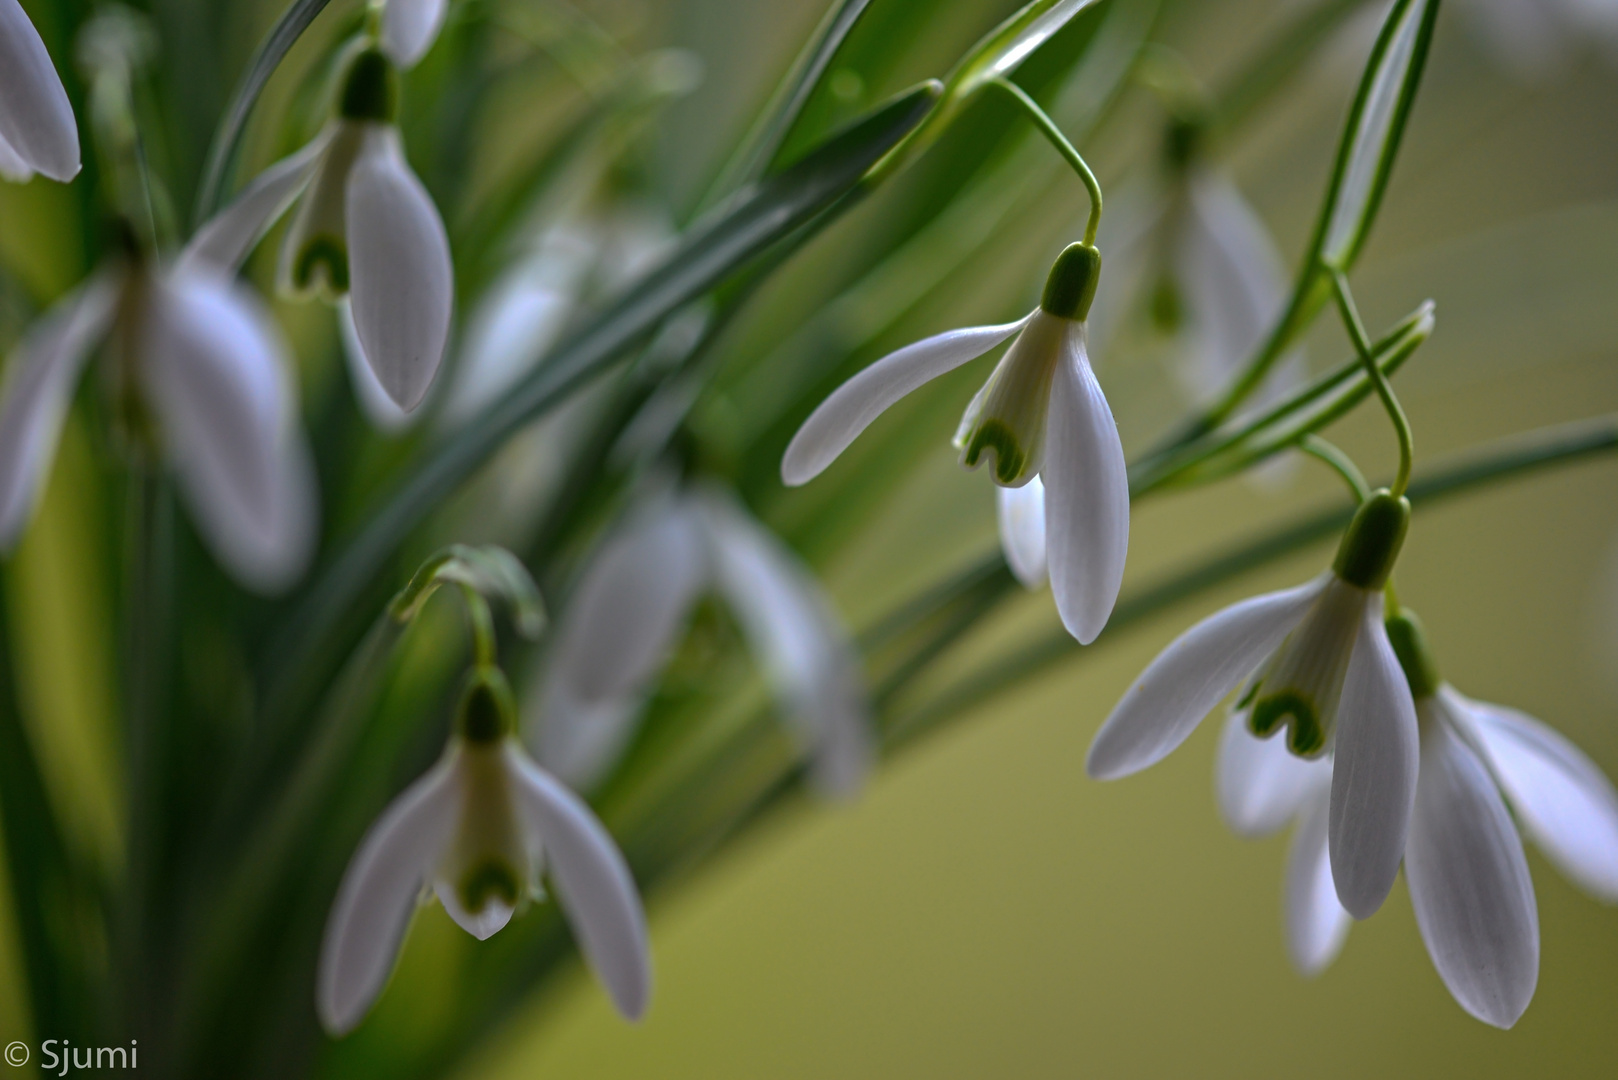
{"x":1535,"y":37}
{"x":634,"y":597}
{"x":478,"y":830}
{"x":1041,"y":414}
{"x":409,"y":28}
{"x":1487,"y":772}
{"x":1321,"y":664}
{"x":582,"y":259}
{"x":1190,"y":263}
{"x":37,"y":130}
{"x":365,"y":229}
{"x":204,"y":357}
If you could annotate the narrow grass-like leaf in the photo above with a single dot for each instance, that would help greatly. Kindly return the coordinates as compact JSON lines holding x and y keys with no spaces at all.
{"x":233,"y":125}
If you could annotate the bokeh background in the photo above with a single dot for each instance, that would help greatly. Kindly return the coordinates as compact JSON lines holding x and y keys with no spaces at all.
{"x":984,"y":909}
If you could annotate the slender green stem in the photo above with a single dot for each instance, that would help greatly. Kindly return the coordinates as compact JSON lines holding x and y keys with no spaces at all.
{"x":1053,"y":134}
{"x":1379,"y":380}
{"x":1340,"y":463}
{"x":485,"y":649}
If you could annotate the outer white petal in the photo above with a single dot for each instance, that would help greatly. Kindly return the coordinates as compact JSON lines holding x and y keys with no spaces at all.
{"x":1316,"y":923}
{"x":224,"y":240}
{"x":38,"y":388}
{"x":792,"y":629}
{"x":591,"y":880}
{"x":1261,"y":784}
{"x":853,"y":406}
{"x":401,"y":281}
{"x":1469,"y":883}
{"x":216,"y":370}
{"x":1170,"y":698}
{"x":1373,"y":783}
{"x":1561,"y":798}
{"x":409,"y":28}
{"x":12,"y":166}
{"x":616,"y":631}
{"x":380,"y":409}
{"x":1021,"y":514}
{"x":36,"y":120}
{"x":1086,"y":496}
{"x":378,"y":894}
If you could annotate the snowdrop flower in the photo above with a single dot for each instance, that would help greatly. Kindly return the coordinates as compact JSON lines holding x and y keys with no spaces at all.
{"x":478,"y":830}
{"x":1192,"y":259}
{"x":200,"y":356}
{"x":1488,"y":773}
{"x":582,"y":258}
{"x":1041,"y":415}
{"x":1322,"y":668}
{"x":364,"y":229}
{"x":409,"y":28}
{"x":634,"y":597}
{"x":37,"y":129}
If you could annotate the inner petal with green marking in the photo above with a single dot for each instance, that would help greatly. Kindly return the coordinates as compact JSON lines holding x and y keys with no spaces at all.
{"x":315,"y":256}
{"x":1303,"y":682}
{"x":1006,"y":420}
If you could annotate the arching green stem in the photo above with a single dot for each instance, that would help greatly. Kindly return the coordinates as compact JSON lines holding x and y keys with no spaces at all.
{"x":1053,"y":134}
{"x":1340,"y":463}
{"x":1379,"y":379}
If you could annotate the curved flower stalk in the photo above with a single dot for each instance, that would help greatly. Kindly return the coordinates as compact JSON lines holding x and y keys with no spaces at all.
{"x":634,"y":597}
{"x":365,"y":229}
{"x":1193,"y":263}
{"x":573,"y":262}
{"x":37,"y":131}
{"x":1320,"y":665}
{"x":478,"y":830}
{"x":200,"y":356}
{"x":1488,"y":774}
{"x":1041,"y":415}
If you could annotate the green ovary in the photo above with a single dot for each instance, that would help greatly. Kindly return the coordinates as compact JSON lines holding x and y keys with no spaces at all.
{"x":322,"y":262}
{"x":492,"y":879}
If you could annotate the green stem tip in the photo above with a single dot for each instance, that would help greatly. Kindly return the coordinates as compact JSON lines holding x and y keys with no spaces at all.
{"x":1071,"y":286}
{"x":1372,"y":541}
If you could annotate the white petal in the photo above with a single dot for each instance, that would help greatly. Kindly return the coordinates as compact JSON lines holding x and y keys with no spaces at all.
{"x":792,"y":629}
{"x":409,"y":28}
{"x":1317,"y":925}
{"x":591,"y":880}
{"x":12,"y":166}
{"x":378,"y":894}
{"x":224,"y":240}
{"x":482,"y":925}
{"x":1233,"y":279}
{"x":1021,"y":514}
{"x":853,"y":406}
{"x":1469,"y":883}
{"x":401,"y":281}
{"x":1086,"y":496}
{"x":1561,"y":798}
{"x":36,"y":120}
{"x":1261,"y":784}
{"x":39,"y":383}
{"x":615,"y":633}
{"x":1373,"y":782}
{"x":216,"y":369}
{"x":1191,"y":676}
{"x":380,"y":409}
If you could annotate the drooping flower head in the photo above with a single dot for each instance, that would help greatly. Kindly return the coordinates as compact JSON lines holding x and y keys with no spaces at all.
{"x":1488,"y":774}
{"x":481,"y":829}
{"x":37,"y":129}
{"x":1321,"y":670}
{"x":1041,"y":414}
{"x":635,"y":596}
{"x":202,"y":376}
